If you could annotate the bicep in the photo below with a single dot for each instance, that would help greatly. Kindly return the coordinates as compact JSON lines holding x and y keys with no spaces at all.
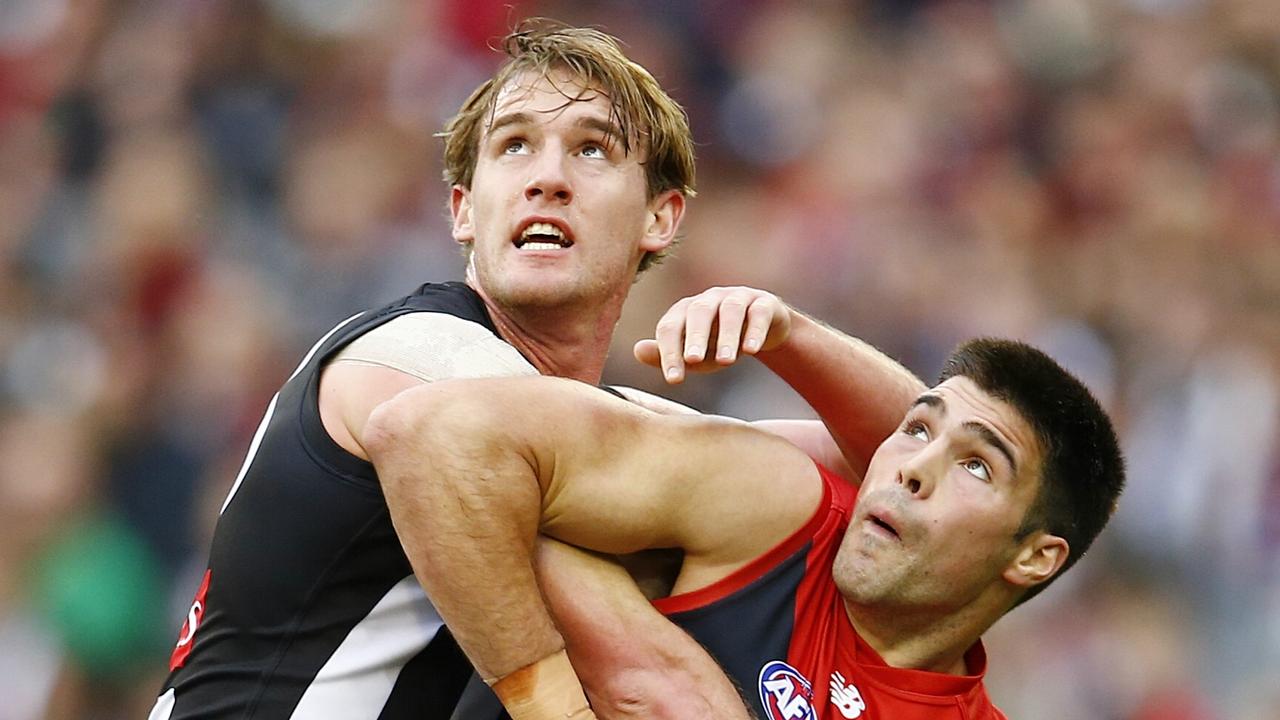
{"x":723,"y":491}
{"x":813,"y":437}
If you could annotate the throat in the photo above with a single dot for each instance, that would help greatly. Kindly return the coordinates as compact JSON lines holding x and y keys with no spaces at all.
{"x":930,"y":644}
{"x":562,"y":342}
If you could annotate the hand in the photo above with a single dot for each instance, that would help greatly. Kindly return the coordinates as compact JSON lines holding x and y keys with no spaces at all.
{"x":739,"y":318}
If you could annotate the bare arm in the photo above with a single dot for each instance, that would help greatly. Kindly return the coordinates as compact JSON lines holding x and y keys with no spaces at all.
{"x":859,"y":392}
{"x":602,"y":614}
{"x":473,"y":469}
{"x":811,"y":436}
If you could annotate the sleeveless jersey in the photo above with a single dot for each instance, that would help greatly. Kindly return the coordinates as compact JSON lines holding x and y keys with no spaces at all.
{"x":309,"y":607}
{"x":778,"y":627}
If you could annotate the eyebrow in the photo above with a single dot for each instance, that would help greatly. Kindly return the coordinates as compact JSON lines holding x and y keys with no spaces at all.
{"x":610,"y":129}
{"x":989,"y":437}
{"x":607,"y":127}
{"x":515,"y":118}
{"x":986,"y":434}
{"x":932,"y":401}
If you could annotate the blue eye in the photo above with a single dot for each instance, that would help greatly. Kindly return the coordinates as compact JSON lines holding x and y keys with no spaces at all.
{"x":592,"y":151}
{"x":515,"y":147}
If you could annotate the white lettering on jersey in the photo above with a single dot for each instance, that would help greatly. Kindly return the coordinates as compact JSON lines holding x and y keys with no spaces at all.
{"x":785,"y":693}
{"x":845,"y":697}
{"x":193,"y":621}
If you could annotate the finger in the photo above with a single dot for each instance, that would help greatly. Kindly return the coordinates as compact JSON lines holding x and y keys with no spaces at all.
{"x":733,"y":309}
{"x":669,"y":334}
{"x":760,"y":316}
{"x":647,"y":352}
{"x":698,"y":319}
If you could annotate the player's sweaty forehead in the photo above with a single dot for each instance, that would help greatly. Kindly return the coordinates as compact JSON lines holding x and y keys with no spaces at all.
{"x":531,"y":97}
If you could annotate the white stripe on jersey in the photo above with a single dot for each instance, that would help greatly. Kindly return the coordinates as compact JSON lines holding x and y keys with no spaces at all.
{"x":271,"y":408}
{"x":164,"y":706}
{"x":307,"y":358}
{"x":358,"y":678}
{"x":253,"y":451}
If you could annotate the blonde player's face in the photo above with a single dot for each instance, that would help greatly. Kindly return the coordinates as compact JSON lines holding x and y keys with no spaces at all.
{"x":937,"y":515}
{"x":557,"y":213}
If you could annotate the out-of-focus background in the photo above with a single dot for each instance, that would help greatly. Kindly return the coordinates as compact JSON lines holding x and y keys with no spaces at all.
{"x":192,"y":191}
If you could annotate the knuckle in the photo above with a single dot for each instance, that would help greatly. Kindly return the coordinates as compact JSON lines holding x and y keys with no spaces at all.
{"x":668,"y":326}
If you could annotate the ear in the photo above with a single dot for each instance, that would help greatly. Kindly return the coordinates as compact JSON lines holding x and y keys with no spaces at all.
{"x":665,"y":212}
{"x":1038,"y":560}
{"x":464,"y":231}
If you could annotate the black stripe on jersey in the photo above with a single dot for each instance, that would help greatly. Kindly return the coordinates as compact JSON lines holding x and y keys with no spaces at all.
{"x":751,"y":626}
{"x":443,"y":661}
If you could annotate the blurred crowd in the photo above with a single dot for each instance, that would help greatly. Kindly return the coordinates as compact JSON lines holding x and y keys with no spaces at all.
{"x":191,"y":191}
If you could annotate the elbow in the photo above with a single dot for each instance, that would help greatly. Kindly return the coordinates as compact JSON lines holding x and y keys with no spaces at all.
{"x":664,"y":693}
{"x":410,"y":425}
{"x":388,"y":425}
{"x":644,"y":693}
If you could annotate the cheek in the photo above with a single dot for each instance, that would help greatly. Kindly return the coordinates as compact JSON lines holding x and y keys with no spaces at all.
{"x":969,"y":537}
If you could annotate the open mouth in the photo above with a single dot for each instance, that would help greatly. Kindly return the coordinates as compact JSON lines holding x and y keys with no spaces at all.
{"x":542,"y":236}
{"x":883,"y":525}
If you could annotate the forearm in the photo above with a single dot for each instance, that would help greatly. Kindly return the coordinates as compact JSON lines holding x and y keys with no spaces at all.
{"x":465,"y":503}
{"x":633,"y":662}
{"x":858,"y":391}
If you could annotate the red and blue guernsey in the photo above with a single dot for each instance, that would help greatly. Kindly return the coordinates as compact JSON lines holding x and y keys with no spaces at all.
{"x":779,"y":628}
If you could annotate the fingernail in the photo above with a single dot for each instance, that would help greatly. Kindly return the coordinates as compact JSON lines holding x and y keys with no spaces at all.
{"x":673,"y":373}
{"x":694,"y":351}
{"x":752,"y":344}
{"x":724,"y":353}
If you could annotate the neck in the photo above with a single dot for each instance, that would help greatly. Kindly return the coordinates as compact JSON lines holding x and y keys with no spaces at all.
{"x":923,"y":640}
{"x":570,"y":341}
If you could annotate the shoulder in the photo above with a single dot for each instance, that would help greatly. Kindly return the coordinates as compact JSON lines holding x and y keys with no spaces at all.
{"x":436,"y":346}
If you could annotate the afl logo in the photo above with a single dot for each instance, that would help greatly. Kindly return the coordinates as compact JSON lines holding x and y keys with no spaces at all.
{"x":785,"y":693}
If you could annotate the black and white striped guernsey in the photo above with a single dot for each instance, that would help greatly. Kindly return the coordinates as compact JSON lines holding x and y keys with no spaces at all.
{"x":309,"y":608}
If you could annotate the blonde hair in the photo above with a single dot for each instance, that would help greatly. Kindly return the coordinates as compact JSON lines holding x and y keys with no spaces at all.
{"x":649,"y":120}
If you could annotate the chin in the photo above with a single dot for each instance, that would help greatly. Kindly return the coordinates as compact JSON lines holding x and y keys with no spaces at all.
{"x":535,"y":294}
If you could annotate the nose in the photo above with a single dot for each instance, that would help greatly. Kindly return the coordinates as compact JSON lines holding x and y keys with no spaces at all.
{"x":548,"y":180}
{"x":919,"y":473}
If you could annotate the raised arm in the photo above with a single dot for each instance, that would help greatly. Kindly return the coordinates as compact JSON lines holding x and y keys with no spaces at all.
{"x":474,"y":469}
{"x":859,"y":392}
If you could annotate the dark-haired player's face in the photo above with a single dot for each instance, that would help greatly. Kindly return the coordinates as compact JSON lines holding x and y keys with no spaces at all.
{"x":944,"y":496}
{"x":557,"y":212}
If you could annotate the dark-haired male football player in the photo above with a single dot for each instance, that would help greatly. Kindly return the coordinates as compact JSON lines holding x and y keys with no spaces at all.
{"x":819,"y":599}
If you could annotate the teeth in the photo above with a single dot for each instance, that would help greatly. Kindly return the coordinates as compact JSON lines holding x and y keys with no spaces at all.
{"x":542,"y":228}
{"x":541,"y":246}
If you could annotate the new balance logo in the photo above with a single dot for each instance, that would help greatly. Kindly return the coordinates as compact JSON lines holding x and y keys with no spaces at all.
{"x":846,"y":697}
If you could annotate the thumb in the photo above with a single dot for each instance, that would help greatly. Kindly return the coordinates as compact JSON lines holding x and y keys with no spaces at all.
{"x":646,"y":351}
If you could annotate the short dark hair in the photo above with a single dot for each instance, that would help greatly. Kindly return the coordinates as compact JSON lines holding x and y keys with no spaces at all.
{"x":1083,"y":471}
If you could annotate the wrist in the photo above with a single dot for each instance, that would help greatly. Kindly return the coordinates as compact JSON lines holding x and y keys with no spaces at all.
{"x":547,"y":689}
{"x":798,"y":326}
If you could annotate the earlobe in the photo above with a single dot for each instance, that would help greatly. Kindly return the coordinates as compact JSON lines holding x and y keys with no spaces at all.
{"x":665,"y":213}
{"x":1039,"y":559}
{"x":460,"y":207}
